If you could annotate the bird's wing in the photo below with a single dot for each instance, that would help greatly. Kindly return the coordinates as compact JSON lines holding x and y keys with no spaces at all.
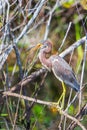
{"x":60,"y":69}
{"x":63,"y":71}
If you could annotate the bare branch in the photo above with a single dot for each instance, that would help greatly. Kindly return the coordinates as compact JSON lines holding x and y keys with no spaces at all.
{"x":65,"y":35}
{"x":82,"y":74}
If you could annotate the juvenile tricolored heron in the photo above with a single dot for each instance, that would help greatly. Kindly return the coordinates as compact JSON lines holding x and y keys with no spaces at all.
{"x":60,"y":68}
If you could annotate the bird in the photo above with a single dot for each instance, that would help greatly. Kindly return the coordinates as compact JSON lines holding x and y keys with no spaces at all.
{"x":58,"y":65}
{"x":60,"y":68}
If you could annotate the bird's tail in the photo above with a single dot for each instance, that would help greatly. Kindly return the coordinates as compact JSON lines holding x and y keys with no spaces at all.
{"x":76,"y":86}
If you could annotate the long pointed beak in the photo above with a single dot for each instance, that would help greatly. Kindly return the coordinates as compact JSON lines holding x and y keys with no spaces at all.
{"x":39,"y":45}
{"x":35,"y":46}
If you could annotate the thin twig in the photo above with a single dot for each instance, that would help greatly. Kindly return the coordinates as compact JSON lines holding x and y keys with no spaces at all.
{"x":16,"y":113}
{"x":49,"y":20}
{"x":65,"y":36}
{"x":18,"y":61}
{"x":82,"y":74}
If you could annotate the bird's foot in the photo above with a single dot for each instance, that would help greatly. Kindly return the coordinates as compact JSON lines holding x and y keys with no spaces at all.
{"x":58,"y":106}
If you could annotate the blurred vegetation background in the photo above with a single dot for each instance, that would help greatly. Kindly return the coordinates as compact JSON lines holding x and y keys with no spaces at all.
{"x":14,"y":17}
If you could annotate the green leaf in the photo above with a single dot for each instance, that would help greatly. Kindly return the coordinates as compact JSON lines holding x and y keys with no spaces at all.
{"x":71,"y":110}
{"x":68,"y":4}
{"x":79,"y":49}
{"x":4,"y":114}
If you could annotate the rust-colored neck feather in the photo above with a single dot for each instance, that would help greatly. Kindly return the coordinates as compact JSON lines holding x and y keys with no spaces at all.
{"x":46,"y":49}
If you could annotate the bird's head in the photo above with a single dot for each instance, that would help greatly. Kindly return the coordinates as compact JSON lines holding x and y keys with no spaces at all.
{"x":46,"y":46}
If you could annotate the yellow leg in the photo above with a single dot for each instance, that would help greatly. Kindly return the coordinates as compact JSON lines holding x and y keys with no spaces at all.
{"x":62,"y":97}
{"x":60,"y":104}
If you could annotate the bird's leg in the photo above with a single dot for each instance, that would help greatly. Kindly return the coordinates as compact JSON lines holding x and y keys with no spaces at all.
{"x":62,"y":97}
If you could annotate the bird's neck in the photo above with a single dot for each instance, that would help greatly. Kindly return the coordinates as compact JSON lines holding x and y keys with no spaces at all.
{"x":45,"y":61}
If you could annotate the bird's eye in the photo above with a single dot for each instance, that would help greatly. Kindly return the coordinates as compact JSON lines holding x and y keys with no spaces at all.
{"x":45,"y":46}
